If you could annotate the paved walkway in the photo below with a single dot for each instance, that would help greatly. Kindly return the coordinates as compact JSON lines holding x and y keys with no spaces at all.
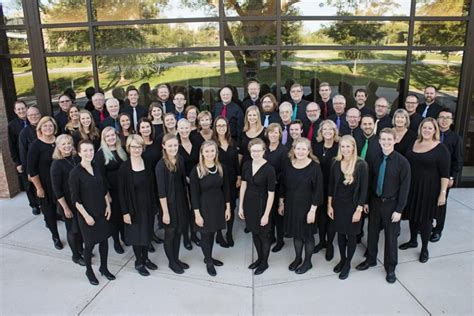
{"x":35,"y":278}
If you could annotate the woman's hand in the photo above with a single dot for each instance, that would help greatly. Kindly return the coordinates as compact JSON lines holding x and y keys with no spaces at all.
{"x":90,"y":221}
{"x":238,"y":182}
{"x":40,"y":193}
{"x":330,"y":212}
{"x":108,"y":212}
{"x":264,"y":220}
{"x":227,"y":214}
{"x":311,"y":217}
{"x":241,"y":213}
{"x":166,"y":218}
{"x":281,"y":208}
{"x":442,"y":199}
{"x":127,"y":219}
{"x":199,"y":220}
{"x":357,"y":214}
{"x":68,"y":212}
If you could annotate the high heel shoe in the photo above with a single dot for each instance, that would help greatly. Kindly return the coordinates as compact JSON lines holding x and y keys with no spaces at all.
{"x":183,"y":265}
{"x":91,"y":277}
{"x":105,"y":272}
{"x":254,"y":265}
{"x":294,"y":265}
{"x":221,"y":241}
{"x":230,"y":240}
{"x":338,"y":267}
{"x":261,"y":268}
{"x":118,"y":248}
{"x":57,"y":243}
{"x":142,"y":270}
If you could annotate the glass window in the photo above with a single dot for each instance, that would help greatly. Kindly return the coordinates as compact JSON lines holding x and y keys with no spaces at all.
{"x":250,"y":64}
{"x":249,"y":8}
{"x":250,"y":33}
{"x":347,"y":70}
{"x":354,"y":8}
{"x":440,"y":33}
{"x":62,"y":11}
{"x":71,"y":39}
{"x":159,"y":35}
{"x":23,"y":77}
{"x":345,"y":33}
{"x":442,"y":7}
{"x":441,"y":69}
{"x":17,"y":41}
{"x":70,"y":72}
{"x":130,"y":10}
{"x":12,"y":12}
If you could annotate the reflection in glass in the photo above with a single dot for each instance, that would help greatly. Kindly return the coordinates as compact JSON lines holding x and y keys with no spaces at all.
{"x":342,"y":7}
{"x":347,"y":70}
{"x":71,"y":39}
{"x":17,"y":41}
{"x":440,"y":33}
{"x":345,"y":33}
{"x":240,"y":66}
{"x":118,"y":10}
{"x":442,"y":7}
{"x":441,"y":69}
{"x":238,"y":33}
{"x":159,"y":35}
{"x":12,"y":12}
{"x":23,"y":78}
{"x":249,"y":7}
{"x":64,"y":11}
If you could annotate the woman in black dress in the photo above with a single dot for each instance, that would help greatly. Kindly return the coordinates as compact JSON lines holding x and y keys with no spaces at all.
{"x":257,"y":192}
{"x":326,"y":150}
{"x":189,"y":152}
{"x":64,"y":160}
{"x":109,"y":158}
{"x":172,"y":192}
{"x":210,"y":200}
{"x":229,"y":158}
{"x":89,"y":195}
{"x":430,"y":162}
{"x":155,"y":115}
{"x":72,"y":126}
{"x":253,"y":129}
{"x":126,"y":128}
{"x":40,"y":158}
{"x":277,"y":155}
{"x":191,"y":113}
{"x":301,"y":192}
{"x":347,"y":194}
{"x":405,"y":136}
{"x":169,"y":126}
{"x":204,"y":131}
{"x":138,"y":203}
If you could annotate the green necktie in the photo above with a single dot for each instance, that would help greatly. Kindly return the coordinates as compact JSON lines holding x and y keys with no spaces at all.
{"x":380,"y":178}
{"x":295,"y":111}
{"x":363,"y":153}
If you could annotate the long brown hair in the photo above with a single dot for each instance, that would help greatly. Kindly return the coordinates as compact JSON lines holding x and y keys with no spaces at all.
{"x":215,"y":135}
{"x":93,"y":131}
{"x":202,"y":170}
{"x":168,"y":163}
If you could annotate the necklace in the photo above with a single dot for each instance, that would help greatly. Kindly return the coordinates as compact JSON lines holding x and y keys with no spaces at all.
{"x":70,"y":160}
{"x":325,"y":150}
{"x":212,"y":172}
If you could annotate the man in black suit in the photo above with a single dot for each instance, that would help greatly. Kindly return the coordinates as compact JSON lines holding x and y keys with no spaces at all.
{"x":297,"y":102}
{"x":382,"y":115}
{"x":113,"y":107}
{"x":325,"y":104}
{"x":430,"y":108}
{"x":99,"y":113}
{"x":134,"y":110}
{"x":411,"y":105}
{"x":231,"y":111}
{"x":62,"y":116}
{"x":163,"y":94}
{"x":312,"y":122}
{"x":253,"y":98}
{"x":268,"y":111}
{"x":360,"y":96}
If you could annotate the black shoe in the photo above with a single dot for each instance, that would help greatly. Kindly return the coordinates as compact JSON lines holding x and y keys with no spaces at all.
{"x":211,"y":270}
{"x":408,"y":245}
{"x":176,"y":268}
{"x":105,"y":272}
{"x":91,"y":277}
{"x":246,"y":230}
{"x":338,"y":267}
{"x":279,"y":245}
{"x":35,"y":211}
{"x":157,"y":239}
{"x":187,"y":244}
{"x":329,"y":252}
{"x":142,"y":270}
{"x":195,"y":239}
{"x":435,"y":237}
{"x":261,"y":268}
{"x":151,"y":248}
{"x":150,"y":265}
{"x":183,"y":265}
{"x":344,"y":272}
{"x":57,"y":243}
{"x":217,"y":263}
{"x":254,"y":265}
{"x":221,"y":241}
{"x":80,"y":261}
{"x":230,"y":240}
{"x":365,"y":265}
{"x":424,"y":256}
{"x":118,"y":248}
{"x":391,"y":278}
{"x":359,"y":239}
{"x":318,"y":247}
{"x":304,"y":268}
{"x":295,"y":264}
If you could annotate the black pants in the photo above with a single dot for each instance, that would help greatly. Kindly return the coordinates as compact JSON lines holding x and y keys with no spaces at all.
{"x":347,"y":246}
{"x":380,"y":217}
{"x":103,"y":251}
{"x":424,"y":227}
{"x":325,"y":226}
{"x":441,"y":216}
{"x":362,"y":223}
{"x":207,"y":243}
{"x":308,"y":249}
{"x":261,"y":242}
{"x":141,"y":255}
{"x":49,"y":214}
{"x":75,"y":242}
{"x":172,"y":244}
{"x":29,"y":189}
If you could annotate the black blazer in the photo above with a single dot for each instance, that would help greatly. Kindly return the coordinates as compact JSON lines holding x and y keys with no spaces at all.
{"x":235,"y":117}
{"x":141,"y":112}
{"x":361,"y":180}
{"x":433,"y":110}
{"x":165,"y":181}
{"x":14,"y":129}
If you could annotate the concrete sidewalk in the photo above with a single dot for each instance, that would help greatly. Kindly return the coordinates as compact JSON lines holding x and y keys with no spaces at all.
{"x":35,"y":278}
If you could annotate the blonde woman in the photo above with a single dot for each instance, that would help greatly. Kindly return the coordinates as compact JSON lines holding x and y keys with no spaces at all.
{"x":405,"y":136}
{"x":204,"y":131}
{"x":347,"y":195}
{"x":210,"y":200}
{"x":73,"y":123}
{"x":301,"y":192}
{"x":253,"y":129}
{"x":87,"y":130}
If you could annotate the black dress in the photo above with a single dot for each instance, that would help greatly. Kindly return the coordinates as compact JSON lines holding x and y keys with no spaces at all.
{"x":244,"y":144}
{"x":278,"y":158}
{"x":210,"y":195}
{"x":172,"y":186}
{"x":427,"y":169}
{"x":110,"y":175}
{"x":346,"y":198}
{"x":300,"y":189}
{"x":60,"y":170}
{"x":40,"y":158}
{"x":158,"y":130}
{"x":326,"y":158}
{"x":230,"y":160}
{"x":90,"y":191}
{"x":406,"y":143}
{"x":256,"y":194}
{"x":190,"y":159}
{"x":152,"y":154}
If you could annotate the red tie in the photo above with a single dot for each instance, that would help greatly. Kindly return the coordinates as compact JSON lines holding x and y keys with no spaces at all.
{"x":310,"y":132}
{"x":101,"y":116}
{"x":224,"y":111}
{"x":325,"y":110}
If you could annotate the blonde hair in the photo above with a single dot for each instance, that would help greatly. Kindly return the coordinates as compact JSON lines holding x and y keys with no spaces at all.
{"x":202,"y":170}
{"x":57,"y":154}
{"x":200,"y":116}
{"x":404,"y":113}
{"x":169,"y":165}
{"x":108,"y":154}
{"x":333,"y":125}
{"x":419,"y":139}
{"x":93,"y":132}
{"x":305,"y":141}
{"x":163,"y":118}
{"x":259,"y":119}
{"x":134,"y":138}
{"x":272,"y":127}
{"x":349,"y":171}
{"x":44,"y":120}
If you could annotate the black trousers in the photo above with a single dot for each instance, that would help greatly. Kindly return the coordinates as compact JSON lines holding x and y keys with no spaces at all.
{"x":276,"y":219}
{"x":441,"y":216}
{"x":380,"y":218}
{"x":171,"y":245}
{"x":141,"y":255}
{"x":29,"y":189}
{"x":424,"y":228}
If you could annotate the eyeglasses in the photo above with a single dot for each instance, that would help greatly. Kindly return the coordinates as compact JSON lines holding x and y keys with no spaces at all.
{"x":136,"y":147}
{"x":381,"y":106}
{"x":312,"y":111}
{"x":445,"y":118}
{"x":411,"y":102}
